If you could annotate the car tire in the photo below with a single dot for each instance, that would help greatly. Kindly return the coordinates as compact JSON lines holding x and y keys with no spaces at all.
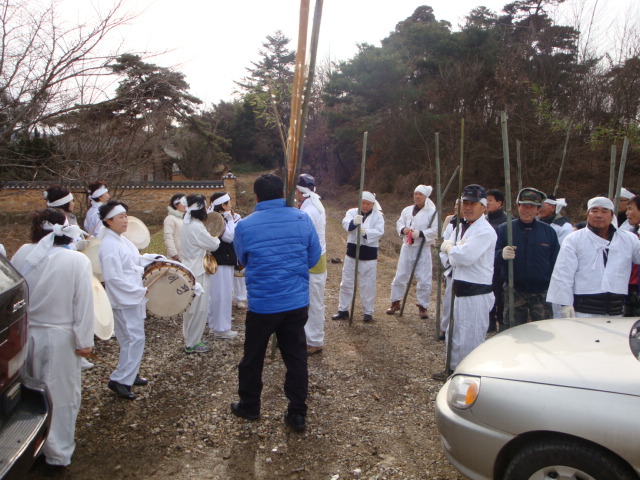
{"x":566,"y":459}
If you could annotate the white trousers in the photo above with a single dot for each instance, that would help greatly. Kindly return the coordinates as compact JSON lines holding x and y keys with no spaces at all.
{"x":220,"y":294}
{"x":408,"y":255}
{"x":51,"y":358}
{"x":557,"y":310}
{"x":314,"y":329}
{"x":129,"y":329}
{"x":195,"y":318}
{"x":239,"y":289}
{"x":366,"y":284}
{"x":471,"y":321}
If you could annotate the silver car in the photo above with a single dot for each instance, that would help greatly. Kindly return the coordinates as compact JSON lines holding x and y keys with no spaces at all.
{"x":556,"y":399}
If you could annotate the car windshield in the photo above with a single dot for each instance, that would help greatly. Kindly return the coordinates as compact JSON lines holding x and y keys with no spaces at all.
{"x":634,"y":339}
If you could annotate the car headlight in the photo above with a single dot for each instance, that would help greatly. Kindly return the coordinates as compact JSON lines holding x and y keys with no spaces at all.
{"x":463,"y":391}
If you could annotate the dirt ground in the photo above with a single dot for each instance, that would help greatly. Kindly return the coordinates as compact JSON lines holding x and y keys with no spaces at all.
{"x":371,"y":399}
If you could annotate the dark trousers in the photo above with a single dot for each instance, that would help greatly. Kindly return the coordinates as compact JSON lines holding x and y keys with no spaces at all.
{"x":292,"y":342}
{"x":497,"y":312}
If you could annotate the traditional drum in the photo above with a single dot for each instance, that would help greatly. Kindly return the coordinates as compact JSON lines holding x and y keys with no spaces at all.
{"x":137,"y":233}
{"x":91,"y":251}
{"x":214,"y":224}
{"x":170,"y":289}
{"x":102,"y":312}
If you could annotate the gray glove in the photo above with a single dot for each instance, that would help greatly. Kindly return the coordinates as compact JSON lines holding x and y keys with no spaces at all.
{"x":509,"y":253}
{"x":357,"y":220}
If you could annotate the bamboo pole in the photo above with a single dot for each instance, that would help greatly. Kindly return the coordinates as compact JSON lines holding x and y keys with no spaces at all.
{"x":623,"y":162}
{"x":439,"y":227}
{"x":507,"y":187}
{"x":518,"y":165}
{"x":355,"y":278}
{"x":612,"y":171}
{"x":453,"y":297}
{"x":564,"y":156}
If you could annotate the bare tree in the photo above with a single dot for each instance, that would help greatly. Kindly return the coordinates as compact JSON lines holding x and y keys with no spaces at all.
{"x":44,"y":61}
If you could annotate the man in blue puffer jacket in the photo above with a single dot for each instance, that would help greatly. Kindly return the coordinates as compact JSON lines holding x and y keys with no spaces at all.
{"x":277,"y":245}
{"x":534,"y":252}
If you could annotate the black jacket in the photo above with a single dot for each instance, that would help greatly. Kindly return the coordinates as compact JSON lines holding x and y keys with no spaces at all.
{"x":535,"y":258}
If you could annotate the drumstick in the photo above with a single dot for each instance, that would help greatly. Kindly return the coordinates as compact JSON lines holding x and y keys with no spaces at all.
{"x":164,"y":272}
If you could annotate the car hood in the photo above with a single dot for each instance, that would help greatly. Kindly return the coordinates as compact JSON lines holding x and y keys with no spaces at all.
{"x":590,"y":353}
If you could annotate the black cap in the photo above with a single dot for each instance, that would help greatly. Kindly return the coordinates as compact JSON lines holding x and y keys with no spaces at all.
{"x":531,"y":196}
{"x":473,"y":193}
{"x":307,"y":181}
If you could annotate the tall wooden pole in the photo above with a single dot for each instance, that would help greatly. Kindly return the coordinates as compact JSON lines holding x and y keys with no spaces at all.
{"x":623,"y":162}
{"x":564,"y":156}
{"x":518,"y":165}
{"x":612,"y":171}
{"x":355,"y":278}
{"x":507,"y":188}
{"x":459,"y":216}
{"x":439,"y":227}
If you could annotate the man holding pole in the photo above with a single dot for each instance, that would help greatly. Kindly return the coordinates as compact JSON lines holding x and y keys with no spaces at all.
{"x":309,"y":202}
{"x":371,"y":224}
{"x":533,"y":253}
{"x":416,"y":225}
{"x":591,"y":275}
{"x":469,"y":251}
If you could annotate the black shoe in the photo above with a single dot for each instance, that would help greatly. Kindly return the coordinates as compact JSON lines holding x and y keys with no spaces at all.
{"x":53,"y":470}
{"x":441,"y":336}
{"x":341,"y":315}
{"x":367,"y":318}
{"x":238,"y":410}
{"x":123,"y":391}
{"x":140,"y":381}
{"x":296,"y":421}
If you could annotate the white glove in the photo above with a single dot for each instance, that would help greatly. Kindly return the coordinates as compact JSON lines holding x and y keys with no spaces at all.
{"x":415,"y":234}
{"x":568,"y":311}
{"x":357,"y":220}
{"x":446,"y":246}
{"x":462,"y":241}
{"x":81,"y":245}
{"x":509,"y":253}
{"x":363,"y":231}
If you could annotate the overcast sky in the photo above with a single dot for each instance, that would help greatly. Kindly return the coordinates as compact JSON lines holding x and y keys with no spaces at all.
{"x":212,"y":42}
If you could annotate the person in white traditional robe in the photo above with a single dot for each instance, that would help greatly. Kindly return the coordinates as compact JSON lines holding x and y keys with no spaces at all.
{"x":591,"y":275}
{"x":196,"y":243}
{"x":309,"y":202}
{"x":221,"y":286}
{"x":551,"y":213}
{"x":61,"y":198}
{"x":60,"y":324}
{"x":416,"y":225}
{"x":122,"y":269}
{"x":470,"y":252}
{"x":98,"y":195}
{"x":371,"y":223}
{"x":172,"y":226}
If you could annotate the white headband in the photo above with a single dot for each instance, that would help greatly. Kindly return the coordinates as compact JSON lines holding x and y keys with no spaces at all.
{"x":99,"y":192}
{"x":220,"y":200}
{"x":424,"y":189}
{"x":603,"y":202}
{"x":60,"y":202}
{"x":187,"y":215}
{"x":182,"y":201}
{"x":45,"y":244}
{"x":371,"y":197}
{"x":624,"y":193}
{"x":560,"y":203}
{"x":313,"y":197}
{"x":115,"y":211}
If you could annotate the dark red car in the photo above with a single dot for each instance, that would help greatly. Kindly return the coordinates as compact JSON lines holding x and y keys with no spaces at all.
{"x":25,"y":405}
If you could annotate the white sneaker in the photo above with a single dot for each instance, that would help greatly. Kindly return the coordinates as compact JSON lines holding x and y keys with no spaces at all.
{"x":226,"y":334}
{"x":242,"y":305}
{"x":86,"y":365}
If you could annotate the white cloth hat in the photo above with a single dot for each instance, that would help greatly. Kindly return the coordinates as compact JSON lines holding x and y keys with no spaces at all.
{"x":624,"y":193}
{"x":424,"y":189}
{"x":603,"y":202}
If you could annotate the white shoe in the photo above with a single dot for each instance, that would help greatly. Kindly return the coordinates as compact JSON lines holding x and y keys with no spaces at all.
{"x":86,"y":365}
{"x":226,"y":334}
{"x":241,"y":305}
